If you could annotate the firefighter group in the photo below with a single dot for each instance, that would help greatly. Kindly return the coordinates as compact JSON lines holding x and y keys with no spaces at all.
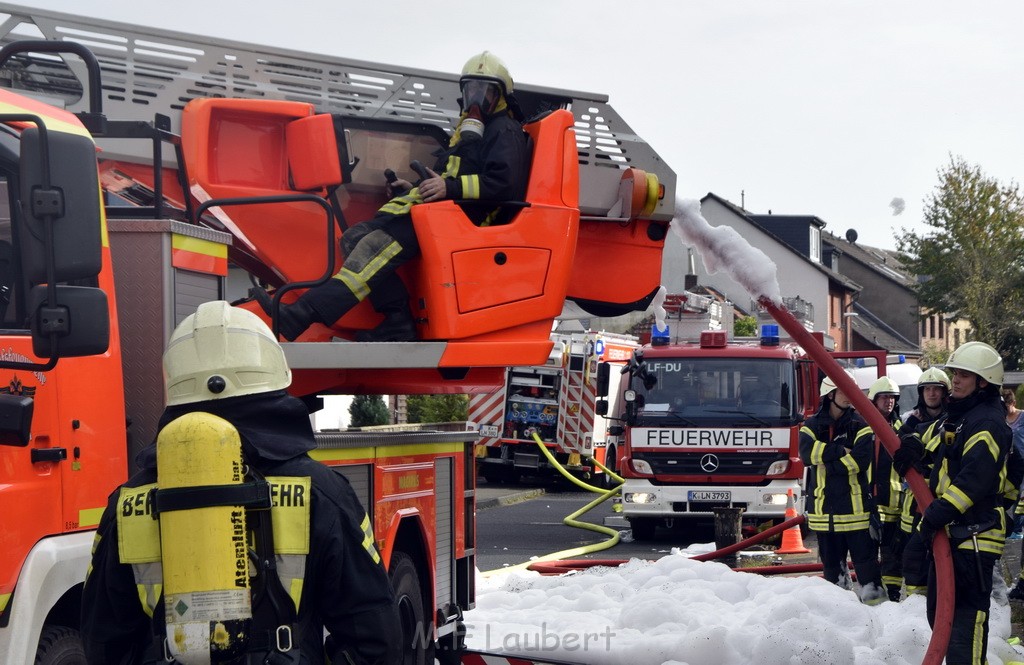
{"x":859,"y":506}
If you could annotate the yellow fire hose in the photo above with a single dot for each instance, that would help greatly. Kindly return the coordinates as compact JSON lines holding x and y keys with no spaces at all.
{"x":571,"y":520}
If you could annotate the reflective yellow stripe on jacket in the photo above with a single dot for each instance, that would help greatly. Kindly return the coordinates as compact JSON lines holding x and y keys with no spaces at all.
{"x":138,"y":536}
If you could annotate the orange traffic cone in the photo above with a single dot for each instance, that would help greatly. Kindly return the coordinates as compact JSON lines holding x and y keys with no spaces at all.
{"x":792,"y":541}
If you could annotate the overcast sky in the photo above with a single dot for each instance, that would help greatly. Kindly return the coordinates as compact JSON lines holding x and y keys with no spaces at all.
{"x":806,"y":107}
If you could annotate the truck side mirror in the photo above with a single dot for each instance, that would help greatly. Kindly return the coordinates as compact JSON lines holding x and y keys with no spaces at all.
{"x":601,"y":407}
{"x":59,"y":188}
{"x":79,"y":316}
{"x":15,"y":420}
{"x":603,"y":379}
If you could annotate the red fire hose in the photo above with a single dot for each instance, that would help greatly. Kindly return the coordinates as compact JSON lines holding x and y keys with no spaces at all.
{"x":940,"y":546}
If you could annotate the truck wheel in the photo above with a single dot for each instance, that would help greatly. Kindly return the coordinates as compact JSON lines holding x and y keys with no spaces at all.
{"x":643,"y":527}
{"x":609,"y":461}
{"x":492,"y":476}
{"x":59,"y":645}
{"x":417,"y":636}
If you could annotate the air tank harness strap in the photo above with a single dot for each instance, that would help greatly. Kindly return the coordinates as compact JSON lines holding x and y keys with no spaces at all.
{"x":273,"y":636}
{"x":250,"y":495}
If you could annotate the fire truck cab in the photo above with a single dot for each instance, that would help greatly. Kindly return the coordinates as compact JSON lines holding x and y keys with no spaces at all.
{"x":712,"y":424}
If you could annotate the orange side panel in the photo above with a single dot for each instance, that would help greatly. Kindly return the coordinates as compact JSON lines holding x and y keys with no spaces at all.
{"x":444,"y":232}
{"x":487,"y":277}
{"x":615,"y":263}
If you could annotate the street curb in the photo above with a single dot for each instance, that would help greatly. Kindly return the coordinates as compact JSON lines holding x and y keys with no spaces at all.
{"x":509,"y":499}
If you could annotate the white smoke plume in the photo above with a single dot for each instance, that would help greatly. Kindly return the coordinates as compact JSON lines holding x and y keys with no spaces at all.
{"x":722,"y":248}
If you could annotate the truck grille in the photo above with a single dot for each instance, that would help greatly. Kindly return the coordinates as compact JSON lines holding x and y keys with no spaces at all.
{"x":729,"y":464}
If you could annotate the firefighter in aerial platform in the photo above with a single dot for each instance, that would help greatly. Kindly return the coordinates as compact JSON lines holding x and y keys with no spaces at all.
{"x":487,"y":159}
{"x":308,"y":562}
{"x":838,"y":498}
{"x":966,"y":478}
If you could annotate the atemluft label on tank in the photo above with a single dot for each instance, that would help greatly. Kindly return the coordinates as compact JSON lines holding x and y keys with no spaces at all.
{"x":222,"y":605}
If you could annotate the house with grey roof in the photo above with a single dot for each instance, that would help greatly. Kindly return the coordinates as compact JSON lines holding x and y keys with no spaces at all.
{"x":808,"y":286}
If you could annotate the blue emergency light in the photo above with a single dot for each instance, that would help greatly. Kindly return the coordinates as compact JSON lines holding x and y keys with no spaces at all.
{"x":769,"y":334}
{"x":659,"y":336}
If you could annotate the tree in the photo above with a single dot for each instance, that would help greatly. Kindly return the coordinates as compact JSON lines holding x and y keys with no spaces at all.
{"x":368,"y":410}
{"x":745,"y":326}
{"x":437,"y":408}
{"x":971,"y":262}
{"x":935,"y":354}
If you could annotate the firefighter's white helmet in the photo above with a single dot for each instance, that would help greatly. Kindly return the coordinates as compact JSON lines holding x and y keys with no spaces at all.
{"x":222,"y":351}
{"x":488,"y":67}
{"x":934,"y":376}
{"x":827,"y":386}
{"x":883,"y":386}
{"x":980,"y":358}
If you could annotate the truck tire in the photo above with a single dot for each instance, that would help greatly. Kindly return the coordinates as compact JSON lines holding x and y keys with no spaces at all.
{"x":643,"y":527}
{"x":417,"y":636}
{"x":59,"y":645}
{"x":610,"y":463}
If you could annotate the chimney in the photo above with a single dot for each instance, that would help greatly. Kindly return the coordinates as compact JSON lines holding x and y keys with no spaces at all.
{"x":690,"y":280}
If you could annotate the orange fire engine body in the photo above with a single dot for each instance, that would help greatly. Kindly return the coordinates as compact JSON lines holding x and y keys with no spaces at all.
{"x":170,"y":238}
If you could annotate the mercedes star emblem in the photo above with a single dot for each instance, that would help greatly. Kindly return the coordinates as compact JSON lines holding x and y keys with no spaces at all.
{"x":709,"y":463}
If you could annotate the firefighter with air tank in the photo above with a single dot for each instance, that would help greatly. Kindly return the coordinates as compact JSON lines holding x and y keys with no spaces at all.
{"x":232,"y":545}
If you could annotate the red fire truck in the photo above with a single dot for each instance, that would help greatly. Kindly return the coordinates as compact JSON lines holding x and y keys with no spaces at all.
{"x":556,"y":401}
{"x":251,"y":164}
{"x":714,"y":422}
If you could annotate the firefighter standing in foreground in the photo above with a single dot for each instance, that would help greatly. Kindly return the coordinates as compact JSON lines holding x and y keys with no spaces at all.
{"x":323,"y":570}
{"x":966,"y":478}
{"x":838,"y":498}
{"x":487,"y":160}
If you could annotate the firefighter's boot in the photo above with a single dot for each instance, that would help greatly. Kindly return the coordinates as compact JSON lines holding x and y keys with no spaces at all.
{"x":293,"y":319}
{"x":894,"y":592}
{"x":1017,"y":592}
{"x":397,"y":326}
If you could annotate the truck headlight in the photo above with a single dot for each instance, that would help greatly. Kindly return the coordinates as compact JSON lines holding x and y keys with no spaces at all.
{"x":774,"y":499}
{"x":778,"y":468}
{"x":642,"y":466}
{"x":638,"y":497}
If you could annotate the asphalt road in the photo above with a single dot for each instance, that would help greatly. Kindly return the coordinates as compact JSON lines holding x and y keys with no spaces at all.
{"x":516,"y":532}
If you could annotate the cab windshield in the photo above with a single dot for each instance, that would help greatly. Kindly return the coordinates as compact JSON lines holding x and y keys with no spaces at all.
{"x":722,"y":392}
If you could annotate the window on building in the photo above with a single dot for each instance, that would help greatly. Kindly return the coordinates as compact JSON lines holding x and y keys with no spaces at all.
{"x":956,"y":337}
{"x":814,"y":250}
{"x":942,"y":326}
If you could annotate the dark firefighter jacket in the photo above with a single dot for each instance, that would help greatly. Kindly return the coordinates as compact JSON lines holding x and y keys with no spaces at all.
{"x":492,"y":168}
{"x":838,"y":496}
{"x":887,"y":484}
{"x":344,"y":586}
{"x":928,"y":431}
{"x":969,"y":471}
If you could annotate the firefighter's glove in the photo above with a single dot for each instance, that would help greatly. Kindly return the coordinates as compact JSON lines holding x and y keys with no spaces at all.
{"x":908,"y":455}
{"x":928,"y":530}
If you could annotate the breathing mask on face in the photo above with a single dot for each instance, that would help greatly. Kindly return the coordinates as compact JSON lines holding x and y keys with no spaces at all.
{"x":479,"y":99}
